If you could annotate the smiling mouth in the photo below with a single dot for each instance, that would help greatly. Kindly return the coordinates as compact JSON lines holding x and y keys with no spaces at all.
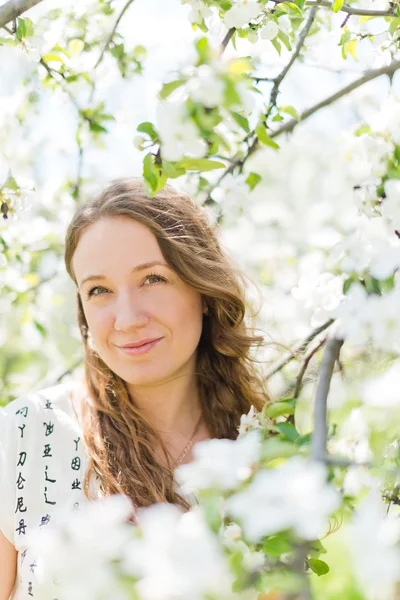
{"x":142,"y":349}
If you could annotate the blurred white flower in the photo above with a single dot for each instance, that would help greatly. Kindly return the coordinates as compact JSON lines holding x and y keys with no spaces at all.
{"x":270,"y":31}
{"x":383,"y":390}
{"x":241,"y":13}
{"x":322,"y":293}
{"x":74,"y":555}
{"x":294,"y":496}
{"x":232,"y":193}
{"x":176,"y":556}
{"x":206,"y":87}
{"x":367,"y":157}
{"x":220,"y":463}
{"x":390,"y":206}
{"x":372,"y":539}
{"x":179,"y":135}
{"x":352,"y":440}
{"x":199,"y":11}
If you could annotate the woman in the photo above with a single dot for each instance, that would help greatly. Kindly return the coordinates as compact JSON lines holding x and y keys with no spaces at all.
{"x":167,"y":363}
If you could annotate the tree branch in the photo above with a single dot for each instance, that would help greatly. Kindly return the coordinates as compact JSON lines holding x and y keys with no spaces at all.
{"x":297,"y":349}
{"x":112,"y":33}
{"x":368,"y":76}
{"x":292,"y":123}
{"x":319,"y":434}
{"x":300,"y":43}
{"x":226,"y":40}
{"x":14,"y":8}
{"x":353,"y":10}
{"x":304,"y":365}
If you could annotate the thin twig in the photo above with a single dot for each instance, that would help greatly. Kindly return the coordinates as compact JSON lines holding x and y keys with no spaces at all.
{"x":14,"y":8}
{"x":226,"y":40}
{"x":300,"y":43}
{"x":292,"y":123}
{"x":297,"y":349}
{"x":368,"y":76}
{"x":319,"y":434}
{"x":304,"y":366}
{"x":353,"y":10}
{"x":112,"y":33}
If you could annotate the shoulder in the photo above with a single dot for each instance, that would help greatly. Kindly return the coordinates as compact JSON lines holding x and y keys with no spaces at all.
{"x":60,"y":398}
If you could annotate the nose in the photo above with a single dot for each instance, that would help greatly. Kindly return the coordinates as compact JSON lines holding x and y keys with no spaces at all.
{"x":129,"y":312}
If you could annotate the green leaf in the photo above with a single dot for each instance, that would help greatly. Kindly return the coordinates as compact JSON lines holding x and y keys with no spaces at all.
{"x":289,"y":431}
{"x":290,"y":110}
{"x":147,"y":127}
{"x":41,"y":329}
{"x":199,"y":164}
{"x":149,"y":172}
{"x":168,"y":88}
{"x":337,"y":5}
{"x":10,"y":182}
{"x":97,"y":128}
{"x":276,"y":45}
{"x":231,"y":95}
{"x":318,"y":566}
{"x":294,"y":7}
{"x":28,"y":27}
{"x":52,"y":57}
{"x":9,"y":41}
{"x":241,"y":121}
{"x":203,"y":49}
{"x":277,"y":409}
{"x":253,"y":179}
{"x":264,"y":138}
{"x":276,"y":545}
{"x":171,"y":170}
{"x":21,"y":28}
{"x":285,"y":39}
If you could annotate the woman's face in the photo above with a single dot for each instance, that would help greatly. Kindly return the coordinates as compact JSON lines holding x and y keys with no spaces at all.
{"x":126,"y":303}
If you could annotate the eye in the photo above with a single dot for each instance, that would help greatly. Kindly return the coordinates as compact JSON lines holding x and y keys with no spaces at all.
{"x":91,"y":291}
{"x":154,"y":275}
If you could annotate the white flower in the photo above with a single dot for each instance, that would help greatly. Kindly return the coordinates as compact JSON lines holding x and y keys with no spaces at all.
{"x":199,"y":11}
{"x":78,"y":553}
{"x":390,"y":206}
{"x":176,"y":556}
{"x":206,"y":87}
{"x":242,"y":13}
{"x":249,"y":422}
{"x":372,"y":539}
{"x":179,"y":135}
{"x":323,"y":293}
{"x":220,"y":463}
{"x":232,"y":193}
{"x":270,"y":31}
{"x":351,"y":315}
{"x":368,"y":157}
{"x":385,"y":259}
{"x":352,"y":441}
{"x":294,"y":495}
{"x":383,"y":390}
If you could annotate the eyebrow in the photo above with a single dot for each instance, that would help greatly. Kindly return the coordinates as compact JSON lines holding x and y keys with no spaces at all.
{"x":141,"y":267}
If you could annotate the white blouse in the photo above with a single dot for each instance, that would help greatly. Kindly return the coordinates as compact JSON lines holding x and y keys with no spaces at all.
{"x":42,"y":465}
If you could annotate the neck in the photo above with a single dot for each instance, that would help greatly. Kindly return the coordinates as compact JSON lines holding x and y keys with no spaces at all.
{"x":172,"y":407}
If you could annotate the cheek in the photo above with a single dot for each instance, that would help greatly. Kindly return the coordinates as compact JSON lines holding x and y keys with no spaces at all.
{"x":98,"y":319}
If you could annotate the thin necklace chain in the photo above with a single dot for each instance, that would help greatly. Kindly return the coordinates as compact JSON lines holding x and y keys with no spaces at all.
{"x":188,"y":445}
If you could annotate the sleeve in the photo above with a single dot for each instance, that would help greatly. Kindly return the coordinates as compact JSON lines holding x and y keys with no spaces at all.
{"x":7,"y":471}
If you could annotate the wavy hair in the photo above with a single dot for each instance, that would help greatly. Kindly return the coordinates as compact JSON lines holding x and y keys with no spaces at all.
{"x":117,"y":435}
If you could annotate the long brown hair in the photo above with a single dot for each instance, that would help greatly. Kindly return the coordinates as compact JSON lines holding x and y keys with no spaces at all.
{"x":118,"y":437}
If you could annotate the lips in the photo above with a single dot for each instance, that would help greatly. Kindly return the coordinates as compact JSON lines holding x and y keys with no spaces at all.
{"x":141,"y":343}
{"x":141,"y":349}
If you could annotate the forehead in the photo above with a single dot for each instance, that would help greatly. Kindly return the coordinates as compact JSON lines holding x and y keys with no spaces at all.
{"x":113,"y":242}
